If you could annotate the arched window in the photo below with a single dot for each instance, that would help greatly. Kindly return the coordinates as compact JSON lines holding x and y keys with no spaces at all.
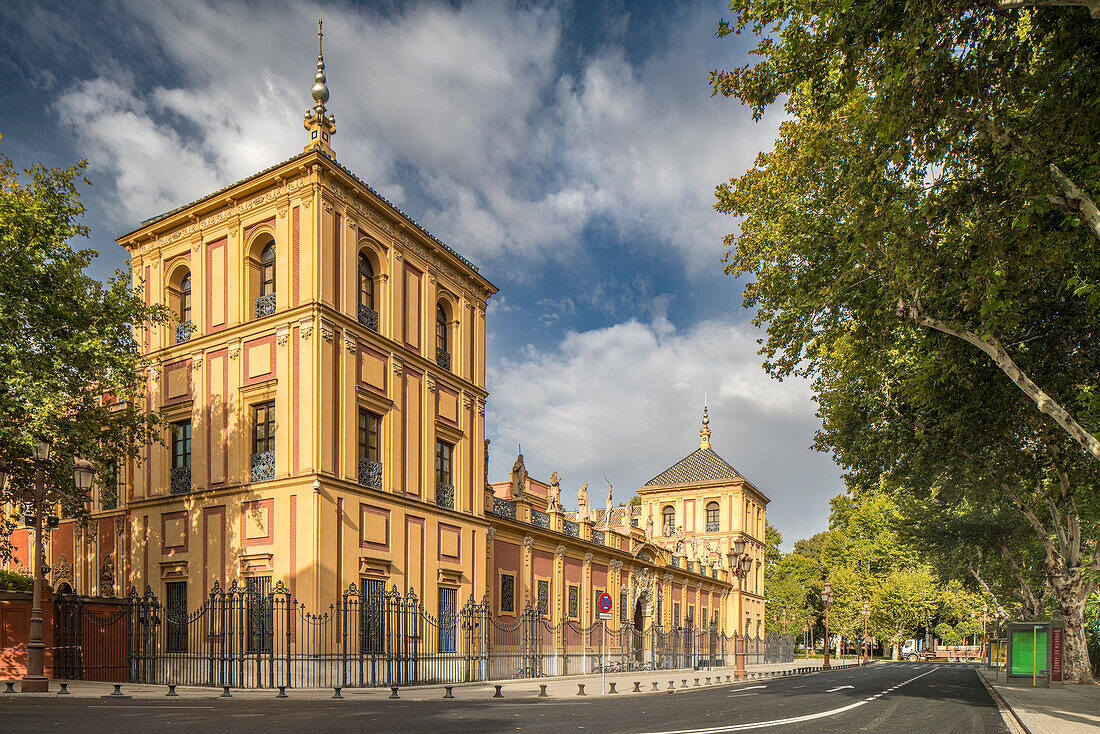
{"x":442,"y":338}
{"x":265,"y":302}
{"x":712,"y":517}
{"x":668,"y":523}
{"x":185,"y":300}
{"x":368,"y":316}
{"x":267,"y":271}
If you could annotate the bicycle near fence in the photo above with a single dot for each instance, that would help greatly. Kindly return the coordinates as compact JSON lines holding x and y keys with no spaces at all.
{"x":253,"y":635}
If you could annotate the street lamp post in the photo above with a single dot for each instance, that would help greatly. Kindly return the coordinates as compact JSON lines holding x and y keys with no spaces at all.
{"x":740,"y":563}
{"x":866,"y":640}
{"x":34,"y":681}
{"x":806,"y":640}
{"x":827,"y":599}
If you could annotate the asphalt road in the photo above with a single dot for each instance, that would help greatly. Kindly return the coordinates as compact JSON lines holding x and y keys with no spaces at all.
{"x":891,"y":698}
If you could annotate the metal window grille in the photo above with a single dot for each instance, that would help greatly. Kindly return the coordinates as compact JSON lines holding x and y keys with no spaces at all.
{"x":368,"y":317}
{"x":183,"y":333}
{"x":260,"y":622}
{"x":505,"y":508}
{"x":540,"y":518}
{"x":181,"y":458}
{"x":448,"y":618}
{"x":570,"y":528}
{"x":442,"y":339}
{"x":712,"y":517}
{"x":574,"y":602}
{"x":676,"y":613}
{"x":623,"y":615}
{"x":372,"y":616}
{"x":175,"y":616}
{"x":507,"y":593}
{"x":544,"y":597}
{"x":660,"y":607}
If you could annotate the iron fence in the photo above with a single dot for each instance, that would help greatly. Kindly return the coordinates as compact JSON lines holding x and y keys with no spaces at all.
{"x":256,"y":636}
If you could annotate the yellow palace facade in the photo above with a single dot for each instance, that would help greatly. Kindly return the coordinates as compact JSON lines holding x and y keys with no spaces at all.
{"x":324,"y":385}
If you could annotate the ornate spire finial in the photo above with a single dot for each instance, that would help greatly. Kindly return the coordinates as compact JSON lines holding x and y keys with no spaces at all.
{"x":704,"y":432}
{"x":319,"y":122}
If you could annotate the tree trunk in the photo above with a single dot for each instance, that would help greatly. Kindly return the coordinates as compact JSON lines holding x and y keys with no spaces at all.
{"x":1069,"y":597}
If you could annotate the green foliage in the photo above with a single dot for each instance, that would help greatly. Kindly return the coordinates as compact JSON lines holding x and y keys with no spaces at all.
{"x":772,"y":540}
{"x":908,"y":217}
{"x":11,"y":581}
{"x":66,"y":340}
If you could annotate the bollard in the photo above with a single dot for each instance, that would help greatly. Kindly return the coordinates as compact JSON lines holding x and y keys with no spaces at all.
{"x":447,"y":692}
{"x":683,"y":682}
{"x":580,"y":690}
{"x":118,"y":690}
{"x":727,"y":679}
{"x":171,"y":690}
{"x":611,"y":687}
{"x":225,"y":692}
{"x":672,"y":685}
{"x":281,"y":693}
{"x":696,"y":681}
{"x":10,"y":686}
{"x":64,"y":689}
{"x":655,"y":686}
{"x":393,"y":693}
{"x":542,"y":691}
{"x":498,"y":694}
{"x":337,"y":692}
{"x":637,"y":687}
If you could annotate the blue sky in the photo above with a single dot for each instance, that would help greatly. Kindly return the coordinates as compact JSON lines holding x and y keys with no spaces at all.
{"x":570,"y":150}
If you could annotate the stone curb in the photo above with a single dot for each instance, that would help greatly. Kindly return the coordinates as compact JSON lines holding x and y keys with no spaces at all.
{"x":1002,"y":702}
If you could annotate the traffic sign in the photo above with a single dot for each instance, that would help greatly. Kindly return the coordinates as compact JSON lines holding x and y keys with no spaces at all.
{"x":604,"y":602}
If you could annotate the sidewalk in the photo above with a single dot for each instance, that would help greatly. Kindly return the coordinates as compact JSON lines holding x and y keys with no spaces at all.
{"x":1058,"y":710}
{"x":683,"y":679}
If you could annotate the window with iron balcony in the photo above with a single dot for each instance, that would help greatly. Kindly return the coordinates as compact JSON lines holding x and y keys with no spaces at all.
{"x":444,"y":483}
{"x":263,"y":442}
{"x":370,"y":466}
{"x":368,"y":314}
{"x":442,"y":338}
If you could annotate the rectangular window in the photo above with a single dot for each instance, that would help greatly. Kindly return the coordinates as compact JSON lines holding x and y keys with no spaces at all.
{"x":368,"y":435}
{"x":181,"y":444}
{"x":443,"y":452}
{"x":574,"y":611}
{"x":689,"y":617}
{"x":110,"y":488}
{"x":175,"y":616}
{"x":263,"y":427}
{"x":372,"y":615}
{"x":260,"y":622}
{"x":544,"y":597}
{"x":448,"y":618}
{"x":676,"y":613}
{"x":507,"y":593}
{"x":703,"y":619}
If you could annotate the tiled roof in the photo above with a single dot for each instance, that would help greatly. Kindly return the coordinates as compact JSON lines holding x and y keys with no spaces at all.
{"x":701,"y":465}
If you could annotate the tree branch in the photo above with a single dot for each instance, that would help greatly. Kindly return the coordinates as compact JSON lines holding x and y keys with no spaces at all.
{"x":977,"y":574}
{"x":1092,"y":5}
{"x":992,"y":347}
{"x":1087,"y":208}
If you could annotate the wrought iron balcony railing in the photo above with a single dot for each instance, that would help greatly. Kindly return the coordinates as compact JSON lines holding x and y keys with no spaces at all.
{"x":540,"y":518}
{"x":504,"y":508}
{"x":445,"y":496}
{"x":597,"y":536}
{"x":676,"y":561}
{"x":368,"y":317}
{"x":712,"y":526}
{"x":263,"y":466}
{"x":265,"y":305}
{"x":370,"y":473}
{"x":443,"y":358}
{"x":181,"y":480}
{"x":183,"y":333}
{"x":571,"y":528}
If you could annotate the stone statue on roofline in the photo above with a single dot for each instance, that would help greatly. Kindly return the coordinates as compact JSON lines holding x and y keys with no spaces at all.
{"x":582,"y":503}
{"x":610,"y":505}
{"x":649,"y":529}
{"x":554,"y":503}
{"x":519,"y":478}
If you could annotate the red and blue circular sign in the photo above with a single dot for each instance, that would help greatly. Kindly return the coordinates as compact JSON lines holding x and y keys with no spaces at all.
{"x":604,"y":603}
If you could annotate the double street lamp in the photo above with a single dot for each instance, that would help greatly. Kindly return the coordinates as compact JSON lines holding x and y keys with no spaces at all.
{"x":866,"y":640}
{"x":827,"y":600}
{"x":740,"y":564}
{"x":83,"y":472}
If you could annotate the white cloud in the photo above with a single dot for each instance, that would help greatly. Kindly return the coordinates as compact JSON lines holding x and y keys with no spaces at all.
{"x":625,"y":402}
{"x":466,"y":104}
